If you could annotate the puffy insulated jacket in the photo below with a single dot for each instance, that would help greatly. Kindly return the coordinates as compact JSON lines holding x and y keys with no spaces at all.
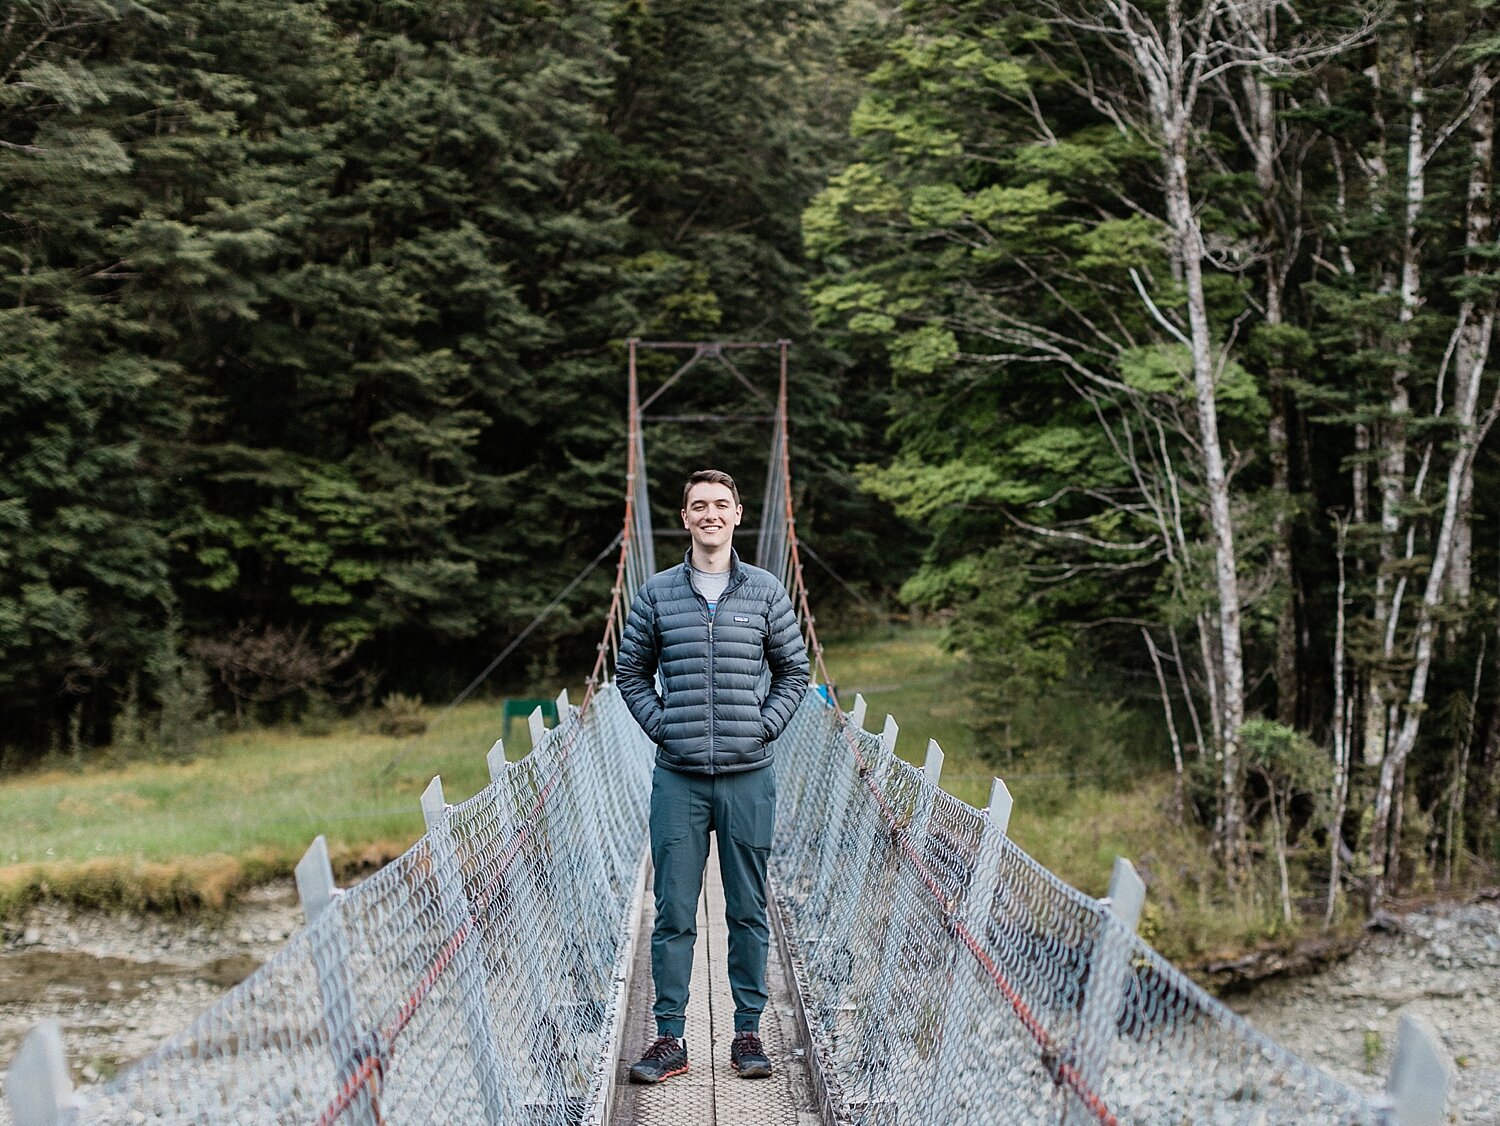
{"x":716,"y":717}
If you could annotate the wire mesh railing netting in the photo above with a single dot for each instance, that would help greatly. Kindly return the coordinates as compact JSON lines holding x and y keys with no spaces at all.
{"x":474,"y":979}
{"x":949,"y":978}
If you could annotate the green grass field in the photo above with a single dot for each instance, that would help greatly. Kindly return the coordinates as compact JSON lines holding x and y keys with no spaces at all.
{"x":188,"y":835}
{"x":247,"y":807}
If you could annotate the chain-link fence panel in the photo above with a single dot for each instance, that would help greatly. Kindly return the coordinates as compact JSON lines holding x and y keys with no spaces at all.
{"x":476,"y":978}
{"x":949,"y":978}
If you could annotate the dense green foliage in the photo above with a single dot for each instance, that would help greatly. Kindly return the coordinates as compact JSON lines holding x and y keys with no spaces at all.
{"x":1006,"y":241}
{"x":313,"y":319}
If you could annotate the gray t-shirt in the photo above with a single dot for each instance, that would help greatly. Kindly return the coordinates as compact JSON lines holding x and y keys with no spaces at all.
{"x":711,"y":585}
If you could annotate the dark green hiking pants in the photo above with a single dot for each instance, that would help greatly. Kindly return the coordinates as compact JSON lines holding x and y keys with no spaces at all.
{"x":685,"y":808}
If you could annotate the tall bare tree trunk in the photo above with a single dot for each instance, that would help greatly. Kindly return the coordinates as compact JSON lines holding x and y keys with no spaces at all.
{"x":1260,"y":127}
{"x":1461,"y":577}
{"x":1166,"y":706}
{"x":1188,"y":238}
{"x":1471,"y":340}
{"x":1476,"y":327}
{"x":1340,"y":788}
{"x":1285,"y":667}
{"x":1392,"y":466}
{"x":1187,"y":695}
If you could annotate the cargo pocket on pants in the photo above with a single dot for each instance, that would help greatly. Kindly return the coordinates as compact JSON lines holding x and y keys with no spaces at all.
{"x":754,"y":816}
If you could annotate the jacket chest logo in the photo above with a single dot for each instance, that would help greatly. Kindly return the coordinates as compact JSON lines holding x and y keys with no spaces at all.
{"x":741,"y":618}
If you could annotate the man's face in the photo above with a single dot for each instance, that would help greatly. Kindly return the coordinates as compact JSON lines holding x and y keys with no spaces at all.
{"x":711,"y":515}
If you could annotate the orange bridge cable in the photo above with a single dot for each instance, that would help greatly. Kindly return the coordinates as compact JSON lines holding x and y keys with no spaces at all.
{"x":370,"y":1068}
{"x":799,"y":582}
{"x":633,"y":446}
{"x":1064,"y":1071}
{"x":373,"y":1066}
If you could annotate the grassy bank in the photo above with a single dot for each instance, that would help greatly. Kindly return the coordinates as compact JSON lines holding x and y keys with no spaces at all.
{"x":188,"y":835}
{"x":184,"y":835}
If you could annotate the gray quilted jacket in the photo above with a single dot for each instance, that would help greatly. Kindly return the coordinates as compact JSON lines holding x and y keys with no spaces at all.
{"x":716,"y":717}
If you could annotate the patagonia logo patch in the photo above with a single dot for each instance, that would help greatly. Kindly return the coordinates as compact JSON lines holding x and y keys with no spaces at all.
{"x":741,"y":618}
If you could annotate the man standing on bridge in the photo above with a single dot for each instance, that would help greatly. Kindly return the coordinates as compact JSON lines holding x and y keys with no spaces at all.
{"x":714,"y":627}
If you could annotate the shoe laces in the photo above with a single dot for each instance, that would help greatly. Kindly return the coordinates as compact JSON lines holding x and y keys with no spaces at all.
{"x":664,"y":1047}
{"x":748,"y":1042}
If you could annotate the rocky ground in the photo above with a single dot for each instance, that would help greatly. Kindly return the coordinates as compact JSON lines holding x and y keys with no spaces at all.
{"x":1442,"y":962}
{"x":119,"y":984}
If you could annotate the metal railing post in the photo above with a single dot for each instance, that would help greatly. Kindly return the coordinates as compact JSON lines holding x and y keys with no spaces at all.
{"x":461,"y":925}
{"x":494,"y":761}
{"x":318,"y":893}
{"x":1109,"y":969}
{"x":998,"y":810}
{"x":1421,"y":1074}
{"x":537,"y":726}
{"x":38,"y":1086}
{"x":968,"y":913}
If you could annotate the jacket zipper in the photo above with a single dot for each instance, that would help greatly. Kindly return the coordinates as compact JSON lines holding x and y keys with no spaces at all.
{"x":710,"y":685}
{"x":710,"y":619}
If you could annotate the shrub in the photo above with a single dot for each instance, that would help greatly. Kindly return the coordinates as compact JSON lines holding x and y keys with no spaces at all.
{"x":401,"y":715}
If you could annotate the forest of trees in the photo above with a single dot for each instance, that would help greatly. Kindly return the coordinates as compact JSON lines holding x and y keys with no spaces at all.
{"x":1146,"y":341}
{"x":313,"y":318}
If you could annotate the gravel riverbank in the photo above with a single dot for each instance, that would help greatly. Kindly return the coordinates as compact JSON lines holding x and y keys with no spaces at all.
{"x":1442,"y":962}
{"x":120,"y":983}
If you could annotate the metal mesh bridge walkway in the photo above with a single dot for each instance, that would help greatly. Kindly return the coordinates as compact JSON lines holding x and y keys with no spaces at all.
{"x":934,"y":972}
{"x":711,"y":1094}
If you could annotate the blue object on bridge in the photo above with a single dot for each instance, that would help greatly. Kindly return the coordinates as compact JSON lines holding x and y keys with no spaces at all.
{"x":824,"y":691}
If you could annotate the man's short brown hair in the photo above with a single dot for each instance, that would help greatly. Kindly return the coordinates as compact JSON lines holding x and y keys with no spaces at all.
{"x":710,"y":477}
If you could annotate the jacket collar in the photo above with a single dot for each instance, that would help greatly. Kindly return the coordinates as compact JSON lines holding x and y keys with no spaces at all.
{"x":736,"y":572}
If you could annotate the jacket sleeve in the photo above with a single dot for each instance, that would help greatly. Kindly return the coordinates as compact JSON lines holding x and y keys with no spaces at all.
{"x":787,"y":658}
{"x":635,"y":670}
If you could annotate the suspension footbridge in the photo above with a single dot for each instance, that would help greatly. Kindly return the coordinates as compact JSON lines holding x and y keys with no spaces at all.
{"x":929,"y":970}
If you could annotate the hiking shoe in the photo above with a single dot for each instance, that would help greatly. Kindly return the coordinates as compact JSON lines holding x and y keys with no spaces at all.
{"x":748,"y":1057}
{"x":664,"y":1059}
